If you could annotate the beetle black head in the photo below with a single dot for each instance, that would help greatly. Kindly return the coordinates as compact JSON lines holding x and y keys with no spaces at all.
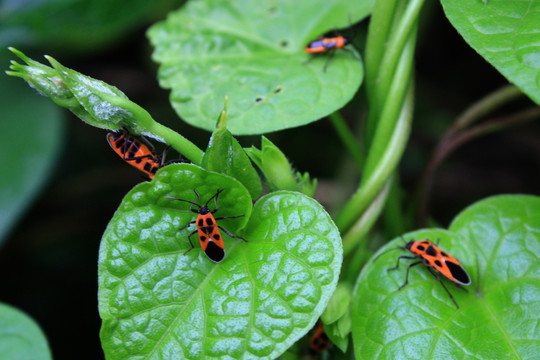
{"x":204,"y":210}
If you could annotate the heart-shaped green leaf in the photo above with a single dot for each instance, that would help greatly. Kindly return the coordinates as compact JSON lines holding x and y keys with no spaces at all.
{"x":159,"y":303}
{"x":506,"y":33}
{"x":253,"y":52}
{"x":497,"y":241}
{"x":20,"y":336}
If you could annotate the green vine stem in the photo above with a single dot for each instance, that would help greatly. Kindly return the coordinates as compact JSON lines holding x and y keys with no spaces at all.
{"x":148,"y":126}
{"x":390,"y":92}
{"x":383,"y":55}
{"x":362,"y":226}
{"x":379,"y":29}
{"x":391,"y":105}
{"x":394,"y":218}
{"x":369,"y":189}
{"x":348,"y":138}
{"x":385,"y":153}
{"x":391,"y":108}
{"x":397,"y":41}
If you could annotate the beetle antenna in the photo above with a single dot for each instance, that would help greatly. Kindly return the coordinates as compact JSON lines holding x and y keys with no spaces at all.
{"x":215,"y":196}
{"x":173,"y":198}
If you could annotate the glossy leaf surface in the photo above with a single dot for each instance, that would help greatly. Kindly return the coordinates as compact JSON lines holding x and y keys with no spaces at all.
{"x":225,"y":155}
{"x":497,"y":241}
{"x":159,"y":303}
{"x":253,"y":52}
{"x":506,"y":33}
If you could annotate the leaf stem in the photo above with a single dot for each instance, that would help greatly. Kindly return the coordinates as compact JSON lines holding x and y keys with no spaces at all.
{"x":348,"y":138}
{"x":391,"y":108}
{"x":391,"y":102}
{"x":178,"y":142}
{"x":372,"y":186}
{"x":395,"y":219}
{"x":146,"y":125}
{"x":382,"y":59}
{"x":454,"y":139}
{"x":362,"y":226}
{"x":494,"y":125}
{"x":379,"y":29}
{"x":399,"y":38}
{"x":494,"y":100}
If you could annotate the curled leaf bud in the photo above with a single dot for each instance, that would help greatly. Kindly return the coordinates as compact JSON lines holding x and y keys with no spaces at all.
{"x":277,"y":170}
{"x":93,"y":101}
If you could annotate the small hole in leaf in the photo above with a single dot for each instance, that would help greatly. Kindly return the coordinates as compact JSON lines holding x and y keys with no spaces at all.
{"x":272,"y":10}
{"x":259,"y":99}
{"x":284,"y":43}
{"x":278,"y":90}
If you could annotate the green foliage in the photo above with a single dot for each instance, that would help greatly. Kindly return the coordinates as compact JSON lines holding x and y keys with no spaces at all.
{"x":157,"y":301}
{"x":274,"y":165}
{"x":505,"y":33}
{"x":95,"y":102}
{"x":20,"y":336}
{"x":277,"y":170}
{"x":338,"y":305}
{"x":88,"y":98}
{"x":74,"y":26}
{"x":497,"y":241}
{"x":161,"y":297}
{"x":226,"y":156}
{"x":29,"y":143}
{"x":337,"y":318}
{"x":253,"y":52}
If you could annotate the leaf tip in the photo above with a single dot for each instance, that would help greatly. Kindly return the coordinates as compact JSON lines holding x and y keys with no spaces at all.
{"x":222,"y":120}
{"x":18,"y":53}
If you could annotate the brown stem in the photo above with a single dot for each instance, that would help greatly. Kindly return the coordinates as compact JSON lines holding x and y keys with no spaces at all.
{"x":453,"y":139}
{"x":486,"y":105}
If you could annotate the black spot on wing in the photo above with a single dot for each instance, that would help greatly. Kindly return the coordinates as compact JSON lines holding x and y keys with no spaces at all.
{"x":431,"y":251}
{"x":207,"y":229}
{"x":458,"y":273}
{"x":214,"y":252}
